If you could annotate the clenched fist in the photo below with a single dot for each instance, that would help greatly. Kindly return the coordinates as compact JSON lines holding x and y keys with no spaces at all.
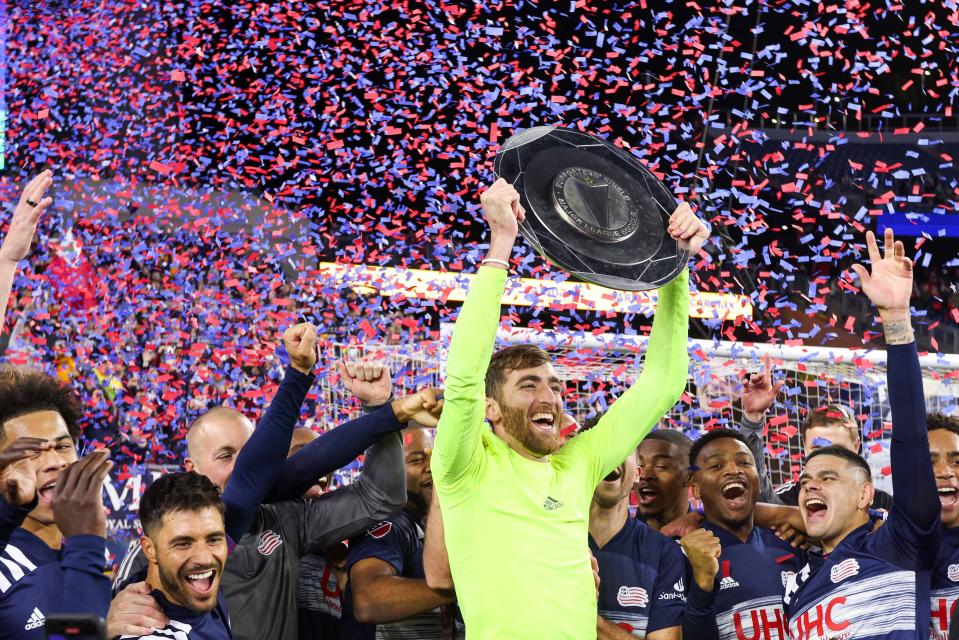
{"x":370,"y":382}
{"x":687,"y":230}
{"x":300,"y":342}
{"x":502,"y":209}
{"x":703,"y":549}
{"x":421,"y":407}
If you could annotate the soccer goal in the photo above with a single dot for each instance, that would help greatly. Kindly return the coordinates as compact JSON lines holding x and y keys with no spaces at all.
{"x":597,"y":368}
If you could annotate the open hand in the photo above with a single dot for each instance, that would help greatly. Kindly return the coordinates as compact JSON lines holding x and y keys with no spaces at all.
{"x":78,"y":498}
{"x":687,"y":229}
{"x":300,"y":342}
{"x":134,"y":612}
{"x":759,"y":391}
{"x":23,"y":226}
{"x":889,"y":285}
{"x":369,"y":381}
{"x":18,"y":479}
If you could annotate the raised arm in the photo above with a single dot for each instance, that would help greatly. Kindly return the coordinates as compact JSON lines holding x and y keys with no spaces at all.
{"x":758,"y":394}
{"x":16,"y":244}
{"x":459,"y":438}
{"x":665,"y":365}
{"x":889,"y":287}
{"x":261,"y":459}
{"x":379,"y":492}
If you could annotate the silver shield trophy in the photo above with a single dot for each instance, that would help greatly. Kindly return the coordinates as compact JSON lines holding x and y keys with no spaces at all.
{"x":592,"y":209}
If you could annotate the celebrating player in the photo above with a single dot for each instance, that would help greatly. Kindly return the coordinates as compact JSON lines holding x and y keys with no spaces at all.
{"x":386,"y":594}
{"x":261,"y":575}
{"x":641,"y":591}
{"x":944,"y":449}
{"x":869,"y":585}
{"x":52,"y":524}
{"x":739,"y":569}
{"x":515,"y":505}
{"x":16,"y":244}
{"x":663,"y":459}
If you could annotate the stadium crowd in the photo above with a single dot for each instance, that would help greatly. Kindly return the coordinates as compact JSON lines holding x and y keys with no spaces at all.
{"x":475,"y":514}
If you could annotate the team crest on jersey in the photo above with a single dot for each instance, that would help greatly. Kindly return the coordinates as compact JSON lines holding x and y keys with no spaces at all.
{"x":953,"y":572}
{"x":787,"y":576}
{"x":843,"y":570}
{"x":268,"y":542}
{"x":632,"y":597}
{"x":377,"y":531}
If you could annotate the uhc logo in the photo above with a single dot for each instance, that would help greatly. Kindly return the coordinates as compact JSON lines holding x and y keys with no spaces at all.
{"x":843,"y":570}
{"x":632,"y":597}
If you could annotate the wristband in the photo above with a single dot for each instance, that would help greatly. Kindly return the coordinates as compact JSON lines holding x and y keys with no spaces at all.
{"x":502,"y":263}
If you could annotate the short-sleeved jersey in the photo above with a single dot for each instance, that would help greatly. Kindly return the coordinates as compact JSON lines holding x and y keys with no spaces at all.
{"x":397,"y":541}
{"x":747,"y":599}
{"x":945,"y":584}
{"x":872,"y":585}
{"x":641,"y":575}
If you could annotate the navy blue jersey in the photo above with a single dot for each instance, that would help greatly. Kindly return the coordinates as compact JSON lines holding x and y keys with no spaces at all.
{"x":641,"y":579}
{"x":318,"y":600}
{"x":397,"y":541}
{"x":876,"y":585}
{"x":945,"y":584}
{"x":746,"y":602}
{"x":37,"y":581}
{"x":872,"y":585}
{"x":186,"y":624}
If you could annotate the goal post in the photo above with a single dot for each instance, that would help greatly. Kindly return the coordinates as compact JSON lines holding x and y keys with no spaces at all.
{"x":598,"y":368}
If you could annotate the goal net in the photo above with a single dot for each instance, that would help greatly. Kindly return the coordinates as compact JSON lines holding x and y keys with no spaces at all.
{"x":597,"y":369}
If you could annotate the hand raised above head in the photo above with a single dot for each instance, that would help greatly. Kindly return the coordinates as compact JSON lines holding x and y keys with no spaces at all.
{"x":889,"y":283}
{"x":33,"y":202}
{"x":369,"y":381}
{"x":300,"y":342}
{"x":502,"y":208}
{"x":687,"y":229}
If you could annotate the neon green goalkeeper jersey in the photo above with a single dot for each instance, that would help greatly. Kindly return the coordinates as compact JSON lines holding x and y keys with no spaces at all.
{"x":516,"y":529}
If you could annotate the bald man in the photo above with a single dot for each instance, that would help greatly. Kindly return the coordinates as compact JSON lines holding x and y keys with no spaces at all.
{"x":261,"y":574}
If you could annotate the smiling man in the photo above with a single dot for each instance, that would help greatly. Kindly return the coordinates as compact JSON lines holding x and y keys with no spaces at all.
{"x":387,"y":595}
{"x":739,"y":569}
{"x":52,"y":549}
{"x":185,"y":543}
{"x":515,"y":504}
{"x":641,"y":591}
{"x":662,"y":494}
{"x":866,"y":584}
{"x":944,"y":450}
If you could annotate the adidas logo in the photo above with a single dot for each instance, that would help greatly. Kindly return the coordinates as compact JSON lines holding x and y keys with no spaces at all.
{"x":36,"y":620}
{"x":552,"y":504}
{"x":727,"y":583}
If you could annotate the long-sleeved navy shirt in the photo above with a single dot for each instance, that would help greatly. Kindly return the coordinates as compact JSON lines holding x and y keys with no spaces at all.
{"x":257,"y":467}
{"x":875,"y":585}
{"x":260,"y":578}
{"x":37,"y":581}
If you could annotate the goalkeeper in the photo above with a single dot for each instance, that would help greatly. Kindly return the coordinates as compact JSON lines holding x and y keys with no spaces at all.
{"x":514,"y":500}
